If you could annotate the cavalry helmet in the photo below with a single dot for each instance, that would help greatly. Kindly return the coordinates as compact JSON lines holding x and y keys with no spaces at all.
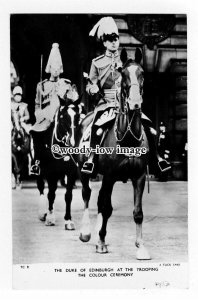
{"x":54,"y":59}
{"x":104,"y":29}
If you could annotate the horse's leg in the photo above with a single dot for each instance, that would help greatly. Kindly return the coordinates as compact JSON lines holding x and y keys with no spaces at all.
{"x":42,"y":201}
{"x":104,"y":212}
{"x":138,"y":185}
{"x":18,"y":186}
{"x":52,"y":186}
{"x":23,"y":170}
{"x":14,"y":171}
{"x":69,"y":224}
{"x":13,"y":181}
{"x":85,"y":232}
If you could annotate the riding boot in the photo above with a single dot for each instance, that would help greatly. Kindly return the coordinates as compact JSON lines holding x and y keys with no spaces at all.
{"x":160,"y":164}
{"x":95,"y":139}
{"x":88,"y":166}
{"x":37,"y":141}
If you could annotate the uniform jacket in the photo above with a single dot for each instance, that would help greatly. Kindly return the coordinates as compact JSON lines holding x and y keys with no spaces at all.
{"x":163,"y":143}
{"x":19,"y":112}
{"x":47,"y":101}
{"x":104,"y":72}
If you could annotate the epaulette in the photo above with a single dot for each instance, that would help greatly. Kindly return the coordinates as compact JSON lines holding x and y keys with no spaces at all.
{"x":97,"y":58}
{"x":66,"y":80}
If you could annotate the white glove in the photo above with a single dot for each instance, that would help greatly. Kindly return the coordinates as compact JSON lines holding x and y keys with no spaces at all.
{"x":63,"y":89}
{"x":94,"y":89}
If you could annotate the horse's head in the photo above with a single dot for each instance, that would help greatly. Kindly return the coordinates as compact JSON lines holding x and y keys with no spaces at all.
{"x":129,"y":122}
{"x":67,"y":119}
{"x":132,"y":79}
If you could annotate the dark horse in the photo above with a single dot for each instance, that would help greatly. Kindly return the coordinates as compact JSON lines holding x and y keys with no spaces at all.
{"x":55,"y":164}
{"x":20,"y":142}
{"x":126,"y":131}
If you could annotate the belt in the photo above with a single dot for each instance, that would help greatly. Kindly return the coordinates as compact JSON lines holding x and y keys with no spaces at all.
{"x":111,"y":94}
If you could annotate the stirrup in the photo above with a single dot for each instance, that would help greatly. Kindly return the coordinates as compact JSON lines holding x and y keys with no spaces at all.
{"x":164,"y":165}
{"x":87,"y":167}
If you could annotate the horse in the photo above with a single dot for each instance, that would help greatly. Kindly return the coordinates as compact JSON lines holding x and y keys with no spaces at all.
{"x":126,"y":131}
{"x":20,"y":141}
{"x":55,"y":165}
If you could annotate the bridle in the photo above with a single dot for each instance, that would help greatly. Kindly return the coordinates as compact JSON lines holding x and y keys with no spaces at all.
{"x":125,"y":96}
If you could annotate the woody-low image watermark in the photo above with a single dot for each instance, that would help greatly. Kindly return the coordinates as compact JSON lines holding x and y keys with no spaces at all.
{"x":131,"y":151}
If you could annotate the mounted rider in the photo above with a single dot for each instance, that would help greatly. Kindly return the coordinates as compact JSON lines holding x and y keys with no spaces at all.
{"x":19,"y":110}
{"x":105,"y":80}
{"x":50,"y":93}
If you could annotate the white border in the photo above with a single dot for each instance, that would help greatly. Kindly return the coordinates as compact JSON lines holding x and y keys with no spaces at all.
{"x":122,"y":6}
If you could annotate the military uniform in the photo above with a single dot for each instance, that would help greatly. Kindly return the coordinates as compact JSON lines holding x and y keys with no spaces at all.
{"x":20,"y":115}
{"x":163,"y":145}
{"x":21,"y":109}
{"x":47,"y":101}
{"x":104,"y":72}
{"x":49,"y":94}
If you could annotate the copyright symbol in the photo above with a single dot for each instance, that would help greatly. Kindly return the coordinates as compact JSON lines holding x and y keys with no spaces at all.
{"x":55,"y":148}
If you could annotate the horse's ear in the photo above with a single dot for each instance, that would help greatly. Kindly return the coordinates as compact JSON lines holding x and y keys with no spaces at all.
{"x":124,"y":56}
{"x":138,"y":55}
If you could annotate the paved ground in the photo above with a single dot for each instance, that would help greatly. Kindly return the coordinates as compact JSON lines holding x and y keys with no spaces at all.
{"x":164,"y":229}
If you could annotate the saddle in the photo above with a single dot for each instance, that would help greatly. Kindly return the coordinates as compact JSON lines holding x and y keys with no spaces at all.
{"x":99,"y":120}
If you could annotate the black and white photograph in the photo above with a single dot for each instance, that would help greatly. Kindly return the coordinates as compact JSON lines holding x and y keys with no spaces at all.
{"x":99,"y":150}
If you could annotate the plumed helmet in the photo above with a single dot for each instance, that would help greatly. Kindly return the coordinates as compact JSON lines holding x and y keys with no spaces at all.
{"x":54,"y":59}
{"x":17,"y":90}
{"x":105,"y":27}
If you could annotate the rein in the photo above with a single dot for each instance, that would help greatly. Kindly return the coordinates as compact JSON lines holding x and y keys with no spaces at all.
{"x":55,"y":130}
{"x":54,"y":136}
{"x":129,"y":130}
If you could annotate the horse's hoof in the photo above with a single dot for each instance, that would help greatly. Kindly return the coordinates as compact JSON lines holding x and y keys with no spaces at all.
{"x":101,"y":249}
{"x":142,"y":253}
{"x":19,"y":187}
{"x":42,"y":217}
{"x":49,"y":223}
{"x":69,"y":225}
{"x":85,"y":237}
{"x":50,"y":219}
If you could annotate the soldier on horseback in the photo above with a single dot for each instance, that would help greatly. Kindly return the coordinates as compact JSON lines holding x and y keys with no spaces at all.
{"x":105,"y":80}
{"x":49,"y":95}
{"x":19,"y":110}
